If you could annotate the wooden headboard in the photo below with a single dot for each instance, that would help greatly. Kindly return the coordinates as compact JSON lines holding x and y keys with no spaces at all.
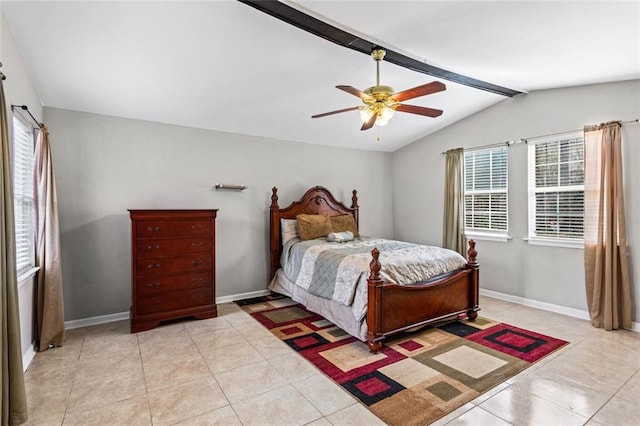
{"x":317,"y":200}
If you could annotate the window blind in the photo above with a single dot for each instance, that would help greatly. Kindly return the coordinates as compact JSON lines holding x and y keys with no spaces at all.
{"x":485,"y":190}
{"x":24,"y":212}
{"x":556,"y":188}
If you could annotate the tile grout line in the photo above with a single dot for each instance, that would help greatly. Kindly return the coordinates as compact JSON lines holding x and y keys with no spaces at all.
{"x":144,"y":376}
{"x":235,"y":413}
{"x":614,"y":396}
{"x":289,"y":383}
{"x":75,"y":374}
{"x":213,"y":376}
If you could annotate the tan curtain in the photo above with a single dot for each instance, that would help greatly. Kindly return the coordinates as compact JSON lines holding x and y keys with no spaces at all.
{"x":453,"y":232}
{"x":49,"y":305}
{"x":605,"y":239}
{"x":14,"y":399}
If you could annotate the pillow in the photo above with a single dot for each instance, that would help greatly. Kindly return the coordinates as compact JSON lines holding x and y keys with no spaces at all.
{"x":344,"y":222}
{"x":312,"y":226}
{"x":340,"y":237}
{"x":288,"y":230}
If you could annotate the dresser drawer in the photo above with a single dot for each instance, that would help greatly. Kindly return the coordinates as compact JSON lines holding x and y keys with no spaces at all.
{"x":163,"y":246}
{"x":168,"y":265}
{"x":163,"y":283}
{"x":175,"y":300}
{"x":172,"y":228}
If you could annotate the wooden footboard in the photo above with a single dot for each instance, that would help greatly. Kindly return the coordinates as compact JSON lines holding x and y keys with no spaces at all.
{"x":394,"y":308}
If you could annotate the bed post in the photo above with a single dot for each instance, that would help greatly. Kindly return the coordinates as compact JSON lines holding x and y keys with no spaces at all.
{"x":274,"y":247}
{"x":355,"y":206}
{"x":472,"y":263}
{"x":374,"y":298}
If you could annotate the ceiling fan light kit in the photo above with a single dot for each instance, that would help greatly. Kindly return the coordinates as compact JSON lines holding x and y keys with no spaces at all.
{"x":382,"y":118}
{"x":381,"y":102}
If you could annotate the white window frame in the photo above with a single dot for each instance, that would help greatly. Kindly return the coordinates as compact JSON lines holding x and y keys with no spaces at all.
{"x":488,"y":234}
{"x":533,"y":237}
{"x":23,"y":142}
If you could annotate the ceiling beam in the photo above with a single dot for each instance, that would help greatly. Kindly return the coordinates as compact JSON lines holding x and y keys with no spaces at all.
{"x":336,"y":35}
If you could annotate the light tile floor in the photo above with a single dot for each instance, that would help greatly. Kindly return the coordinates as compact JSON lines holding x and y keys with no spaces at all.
{"x":231,"y":371}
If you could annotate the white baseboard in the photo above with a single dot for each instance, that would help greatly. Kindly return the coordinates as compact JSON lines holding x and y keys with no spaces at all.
{"x":28,"y":356}
{"x":571,"y":312}
{"x":102,"y":319}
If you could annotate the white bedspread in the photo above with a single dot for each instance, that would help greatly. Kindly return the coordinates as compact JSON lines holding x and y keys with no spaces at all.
{"x":339,"y":271}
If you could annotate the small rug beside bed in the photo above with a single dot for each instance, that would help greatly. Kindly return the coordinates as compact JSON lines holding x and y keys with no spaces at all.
{"x":417,"y":377}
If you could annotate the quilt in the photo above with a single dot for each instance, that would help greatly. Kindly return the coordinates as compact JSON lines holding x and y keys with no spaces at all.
{"x":339,"y":271}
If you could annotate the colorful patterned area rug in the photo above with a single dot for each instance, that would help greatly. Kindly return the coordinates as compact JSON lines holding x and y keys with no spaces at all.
{"x":417,"y":377}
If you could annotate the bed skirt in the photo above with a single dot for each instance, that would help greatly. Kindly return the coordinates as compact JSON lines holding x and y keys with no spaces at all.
{"x":339,"y":314}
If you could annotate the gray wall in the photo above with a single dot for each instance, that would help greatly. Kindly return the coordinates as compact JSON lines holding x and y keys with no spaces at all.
{"x":106,"y":165}
{"x":541,"y":273}
{"x":19,"y":90}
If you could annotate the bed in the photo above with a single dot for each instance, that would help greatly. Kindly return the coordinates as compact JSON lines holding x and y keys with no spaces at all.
{"x":388,"y":308}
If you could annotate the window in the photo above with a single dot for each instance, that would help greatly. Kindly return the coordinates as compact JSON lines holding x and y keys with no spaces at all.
{"x":24,"y":212}
{"x":556,"y":189}
{"x":485,"y":192}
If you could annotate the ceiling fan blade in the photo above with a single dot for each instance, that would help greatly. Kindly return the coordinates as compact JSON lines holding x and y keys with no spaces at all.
{"x":429,"y":112}
{"x":335,"y":112}
{"x":425,"y":89}
{"x":369,"y":124}
{"x":355,"y":92}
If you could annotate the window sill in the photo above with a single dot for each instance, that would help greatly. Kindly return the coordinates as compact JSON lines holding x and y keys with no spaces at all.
{"x":487,"y":237}
{"x":555,"y":242}
{"x":28,"y":274}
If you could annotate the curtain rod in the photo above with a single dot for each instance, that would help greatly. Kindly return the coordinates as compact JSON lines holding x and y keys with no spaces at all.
{"x":26,"y":108}
{"x":572,"y":131}
{"x":509,"y":143}
{"x":493,"y":145}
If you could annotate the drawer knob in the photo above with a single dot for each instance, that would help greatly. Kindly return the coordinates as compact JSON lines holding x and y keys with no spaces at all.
{"x":152,"y":247}
{"x":196,"y":280}
{"x":157,"y":265}
{"x":196,"y":244}
{"x":152,"y":229}
{"x":196,"y":262}
{"x":151,"y":285}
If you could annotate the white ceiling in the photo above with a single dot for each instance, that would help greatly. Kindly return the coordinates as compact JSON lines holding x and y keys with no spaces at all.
{"x":225,"y":66}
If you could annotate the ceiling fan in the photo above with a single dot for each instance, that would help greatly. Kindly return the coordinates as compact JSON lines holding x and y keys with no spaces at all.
{"x":380,"y":102}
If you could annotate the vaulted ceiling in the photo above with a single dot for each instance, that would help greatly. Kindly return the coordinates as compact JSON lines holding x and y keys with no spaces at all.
{"x":226,"y":66}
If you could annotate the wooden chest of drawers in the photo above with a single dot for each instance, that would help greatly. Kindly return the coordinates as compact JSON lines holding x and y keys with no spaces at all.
{"x":173,"y":266}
